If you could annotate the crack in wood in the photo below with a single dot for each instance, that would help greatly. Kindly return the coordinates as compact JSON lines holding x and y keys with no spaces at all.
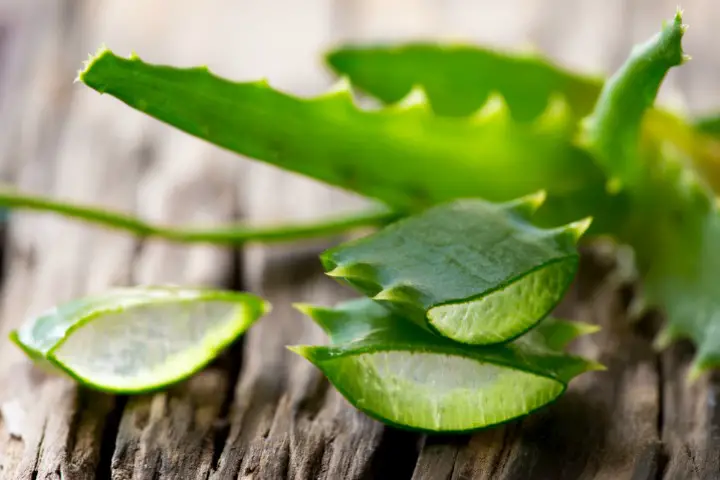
{"x":109,"y":438}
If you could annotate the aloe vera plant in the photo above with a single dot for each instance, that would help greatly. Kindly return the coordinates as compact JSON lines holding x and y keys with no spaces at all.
{"x":464,"y":143}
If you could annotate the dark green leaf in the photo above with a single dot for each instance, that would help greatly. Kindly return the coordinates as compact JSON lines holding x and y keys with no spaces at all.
{"x":474,"y":271}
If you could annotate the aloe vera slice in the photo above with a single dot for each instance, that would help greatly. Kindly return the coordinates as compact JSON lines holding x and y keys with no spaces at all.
{"x":474,"y":271}
{"x":131,"y":340}
{"x":403,"y":375}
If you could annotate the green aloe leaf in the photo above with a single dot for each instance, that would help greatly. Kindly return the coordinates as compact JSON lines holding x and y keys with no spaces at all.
{"x":459,"y":78}
{"x":132,"y":340}
{"x":403,"y":155}
{"x":474,"y":271}
{"x":674,"y":223}
{"x":402,"y":375}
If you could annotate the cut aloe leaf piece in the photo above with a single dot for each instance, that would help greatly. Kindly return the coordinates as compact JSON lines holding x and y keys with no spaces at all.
{"x":131,"y":340}
{"x":403,"y":375}
{"x":474,"y":271}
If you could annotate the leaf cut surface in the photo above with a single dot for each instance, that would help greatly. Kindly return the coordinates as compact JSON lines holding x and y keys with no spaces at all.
{"x":403,"y":375}
{"x":131,"y":340}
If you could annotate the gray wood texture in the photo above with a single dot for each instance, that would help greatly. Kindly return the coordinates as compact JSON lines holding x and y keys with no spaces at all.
{"x":259,"y":412}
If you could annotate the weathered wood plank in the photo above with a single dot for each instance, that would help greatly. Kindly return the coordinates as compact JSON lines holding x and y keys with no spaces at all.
{"x":49,"y":259}
{"x":285,"y":421}
{"x":171,"y":434}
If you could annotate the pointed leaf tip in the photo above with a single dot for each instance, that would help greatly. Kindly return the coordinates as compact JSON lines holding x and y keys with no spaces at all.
{"x":526,"y":206}
{"x":347,"y":271}
{"x":302,"y":350}
{"x":340,"y":90}
{"x":578,"y":229}
{"x":416,"y":99}
{"x":494,"y":107}
{"x":397,"y":293}
{"x":558,"y":112}
{"x":305,"y":308}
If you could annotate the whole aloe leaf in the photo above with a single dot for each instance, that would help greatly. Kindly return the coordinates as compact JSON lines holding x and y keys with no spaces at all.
{"x":403,"y":155}
{"x":403,"y":375}
{"x":474,"y":271}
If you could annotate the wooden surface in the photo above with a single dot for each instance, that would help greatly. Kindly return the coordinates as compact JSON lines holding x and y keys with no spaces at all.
{"x":260,"y":412}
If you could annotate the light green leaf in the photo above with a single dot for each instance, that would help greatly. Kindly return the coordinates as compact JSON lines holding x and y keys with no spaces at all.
{"x":402,"y":155}
{"x":402,"y":375}
{"x":474,"y":271}
{"x":132,"y":340}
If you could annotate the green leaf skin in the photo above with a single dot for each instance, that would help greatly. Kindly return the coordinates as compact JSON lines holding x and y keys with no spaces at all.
{"x":475,"y":272}
{"x":44,"y":338}
{"x":460,"y":78}
{"x":404,"y":376}
{"x":403,"y":155}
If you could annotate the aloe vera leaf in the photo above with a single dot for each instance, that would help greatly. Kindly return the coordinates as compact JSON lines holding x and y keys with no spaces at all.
{"x":405,"y":376}
{"x":674,"y":223}
{"x":474,"y":271}
{"x":459,"y":78}
{"x":403,"y":155}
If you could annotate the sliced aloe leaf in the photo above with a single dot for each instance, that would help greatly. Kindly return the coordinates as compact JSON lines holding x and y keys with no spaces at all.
{"x":474,"y":271}
{"x":403,"y":155}
{"x":133,"y":340}
{"x":402,"y":375}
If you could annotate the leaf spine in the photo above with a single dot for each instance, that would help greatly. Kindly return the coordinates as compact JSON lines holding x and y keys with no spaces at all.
{"x":526,"y":206}
{"x":557,"y":113}
{"x":396,"y":293}
{"x":578,"y":228}
{"x":415,"y":100}
{"x":352,"y":270}
{"x":495,"y":107}
{"x":340,"y":91}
